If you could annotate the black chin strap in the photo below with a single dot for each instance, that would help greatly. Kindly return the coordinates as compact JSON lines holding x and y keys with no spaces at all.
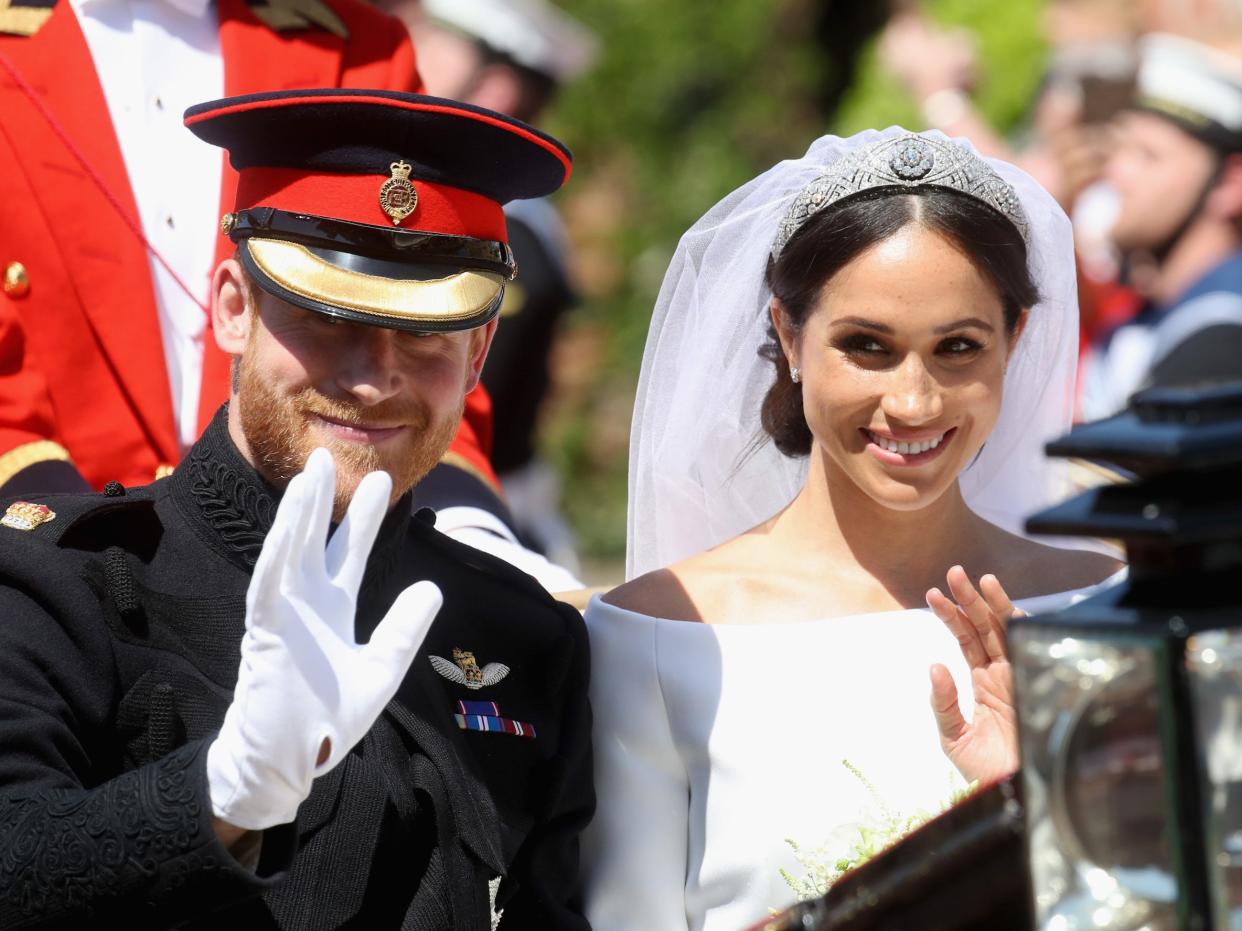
{"x":1161,"y":252}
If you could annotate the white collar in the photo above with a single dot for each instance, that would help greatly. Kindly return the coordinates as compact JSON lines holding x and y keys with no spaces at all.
{"x":195,"y":8}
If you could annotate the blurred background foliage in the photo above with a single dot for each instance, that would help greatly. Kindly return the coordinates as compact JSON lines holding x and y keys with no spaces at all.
{"x":689,"y":99}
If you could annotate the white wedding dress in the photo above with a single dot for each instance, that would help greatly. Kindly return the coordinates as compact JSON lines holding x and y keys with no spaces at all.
{"x":715,"y":743}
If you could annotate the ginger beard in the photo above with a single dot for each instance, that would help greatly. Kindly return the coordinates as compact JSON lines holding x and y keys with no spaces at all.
{"x":283,"y":429}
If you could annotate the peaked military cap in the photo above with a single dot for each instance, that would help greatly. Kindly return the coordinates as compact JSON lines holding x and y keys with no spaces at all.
{"x":1195,"y":86}
{"x":377,"y":206}
{"x":535,"y":34}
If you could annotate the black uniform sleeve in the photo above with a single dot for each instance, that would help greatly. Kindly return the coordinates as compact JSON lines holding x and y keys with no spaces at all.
{"x":544,"y":890}
{"x":137,"y":850}
{"x":51,"y":476}
{"x":1211,"y":354}
{"x":83,"y":840}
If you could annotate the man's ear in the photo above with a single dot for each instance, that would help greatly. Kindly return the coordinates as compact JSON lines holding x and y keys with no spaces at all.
{"x":1225,"y":199}
{"x":230,"y":307}
{"x":480,"y":343}
{"x":785,"y":331}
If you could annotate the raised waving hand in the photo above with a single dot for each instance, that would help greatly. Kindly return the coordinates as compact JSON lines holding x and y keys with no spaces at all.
{"x":306,"y":690}
{"x":986,"y":747}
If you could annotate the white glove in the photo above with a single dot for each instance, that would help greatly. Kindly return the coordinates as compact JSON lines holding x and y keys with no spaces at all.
{"x":303,"y":679}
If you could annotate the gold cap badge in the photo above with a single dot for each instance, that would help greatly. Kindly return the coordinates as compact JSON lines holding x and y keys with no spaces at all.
{"x":24,"y":515}
{"x":397,"y":196}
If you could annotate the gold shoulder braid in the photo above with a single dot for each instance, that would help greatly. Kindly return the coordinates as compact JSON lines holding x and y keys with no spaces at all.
{"x":24,"y":17}
{"x":28,"y":454}
{"x":282,"y":15}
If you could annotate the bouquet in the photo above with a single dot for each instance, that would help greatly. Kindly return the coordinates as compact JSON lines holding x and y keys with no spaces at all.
{"x":829,"y":861}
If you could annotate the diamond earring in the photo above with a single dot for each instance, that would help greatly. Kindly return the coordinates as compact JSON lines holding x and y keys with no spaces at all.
{"x":795,"y":374}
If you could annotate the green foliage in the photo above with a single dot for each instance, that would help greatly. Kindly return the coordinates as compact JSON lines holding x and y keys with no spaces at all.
{"x":1011,"y":55}
{"x":824,"y":867}
{"x":688,"y":100}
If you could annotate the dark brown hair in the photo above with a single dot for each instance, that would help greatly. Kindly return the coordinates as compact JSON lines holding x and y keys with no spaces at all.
{"x":830,"y":240}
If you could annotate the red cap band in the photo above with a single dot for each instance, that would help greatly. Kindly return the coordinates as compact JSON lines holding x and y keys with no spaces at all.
{"x":440,"y":208}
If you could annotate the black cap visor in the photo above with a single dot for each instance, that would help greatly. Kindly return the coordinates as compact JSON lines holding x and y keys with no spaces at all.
{"x":361,"y":239}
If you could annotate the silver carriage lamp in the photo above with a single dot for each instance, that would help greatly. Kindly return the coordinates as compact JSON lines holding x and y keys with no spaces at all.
{"x":1130,"y":703}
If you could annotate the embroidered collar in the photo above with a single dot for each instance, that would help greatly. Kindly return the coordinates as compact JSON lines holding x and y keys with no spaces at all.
{"x":232,"y":507}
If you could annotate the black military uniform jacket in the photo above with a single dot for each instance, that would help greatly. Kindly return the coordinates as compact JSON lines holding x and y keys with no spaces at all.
{"x":120,"y":623}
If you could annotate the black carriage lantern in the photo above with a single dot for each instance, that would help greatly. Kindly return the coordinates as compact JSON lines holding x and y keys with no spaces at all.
{"x":1130,"y":702}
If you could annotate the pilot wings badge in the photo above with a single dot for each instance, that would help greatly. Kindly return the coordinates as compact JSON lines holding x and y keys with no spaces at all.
{"x":464,"y":670}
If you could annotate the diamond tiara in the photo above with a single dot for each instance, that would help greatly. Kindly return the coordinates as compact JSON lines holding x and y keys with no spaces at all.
{"x":904,"y":162}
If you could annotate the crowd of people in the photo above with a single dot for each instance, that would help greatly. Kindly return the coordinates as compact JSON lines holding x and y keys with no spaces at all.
{"x":278,"y":642}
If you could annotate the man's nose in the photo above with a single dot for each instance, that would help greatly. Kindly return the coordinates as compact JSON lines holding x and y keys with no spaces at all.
{"x":913,"y":395}
{"x":370,"y":364}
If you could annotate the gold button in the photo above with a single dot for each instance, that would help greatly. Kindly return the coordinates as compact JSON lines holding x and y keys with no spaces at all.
{"x":16,"y":281}
{"x":163,"y":471}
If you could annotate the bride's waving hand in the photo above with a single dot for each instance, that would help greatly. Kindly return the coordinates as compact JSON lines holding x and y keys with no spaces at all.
{"x":986,"y":747}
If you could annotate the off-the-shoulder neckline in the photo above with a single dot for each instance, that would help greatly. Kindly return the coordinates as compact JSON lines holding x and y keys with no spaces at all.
{"x":597,"y":601}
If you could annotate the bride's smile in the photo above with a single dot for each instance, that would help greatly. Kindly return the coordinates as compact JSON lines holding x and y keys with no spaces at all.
{"x":907,"y":450}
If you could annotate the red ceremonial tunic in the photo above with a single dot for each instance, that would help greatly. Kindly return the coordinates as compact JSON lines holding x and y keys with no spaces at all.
{"x":83,"y":378}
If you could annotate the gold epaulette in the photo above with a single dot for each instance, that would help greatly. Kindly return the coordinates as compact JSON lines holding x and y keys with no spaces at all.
{"x":282,"y":15}
{"x":24,"y":17}
{"x":28,"y":454}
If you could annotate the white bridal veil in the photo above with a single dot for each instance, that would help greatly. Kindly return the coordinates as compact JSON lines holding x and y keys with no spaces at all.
{"x":697,"y":477}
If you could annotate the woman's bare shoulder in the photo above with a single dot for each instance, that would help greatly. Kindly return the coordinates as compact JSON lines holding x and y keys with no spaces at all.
{"x":1039,"y":569}
{"x":1082,"y":568}
{"x":657,"y":594}
{"x":680,"y":592}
